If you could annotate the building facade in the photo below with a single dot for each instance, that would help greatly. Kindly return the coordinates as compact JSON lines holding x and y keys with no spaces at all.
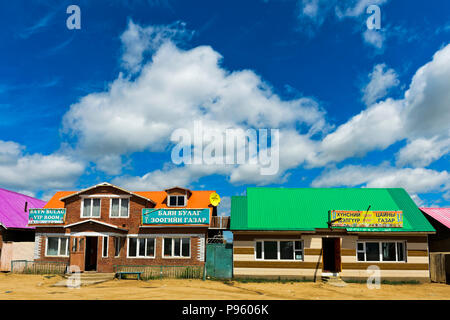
{"x":439,"y":218}
{"x":105,"y":226}
{"x":311,"y":233}
{"x":16,"y":237}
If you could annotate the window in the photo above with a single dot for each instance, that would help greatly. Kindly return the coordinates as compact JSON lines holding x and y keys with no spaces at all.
{"x":177,"y":247}
{"x":279,"y":250}
{"x":389,"y":251}
{"x":177,"y":201}
{"x":57,"y":246}
{"x":119,"y":207}
{"x":91,"y":208}
{"x":117,"y":246}
{"x":141,"y":247}
{"x":105,"y":247}
{"x":74,"y":244}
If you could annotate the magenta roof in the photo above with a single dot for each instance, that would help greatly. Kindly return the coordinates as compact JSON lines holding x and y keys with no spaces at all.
{"x":12,"y":209}
{"x":440,"y":214}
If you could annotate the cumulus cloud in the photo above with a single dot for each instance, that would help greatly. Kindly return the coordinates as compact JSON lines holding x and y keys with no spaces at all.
{"x":381,"y":80}
{"x":313,"y":13}
{"x":176,"y":86}
{"x":423,"y":112}
{"x":138,"y":40}
{"x":375,"y":128}
{"x":172,"y":90}
{"x":417,"y":180}
{"x":9,"y":152}
{"x":421,"y":152}
{"x":28,"y":173}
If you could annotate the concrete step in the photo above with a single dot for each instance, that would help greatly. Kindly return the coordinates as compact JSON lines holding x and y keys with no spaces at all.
{"x":92,"y":276}
{"x":334,"y":281}
{"x":86,"y":279}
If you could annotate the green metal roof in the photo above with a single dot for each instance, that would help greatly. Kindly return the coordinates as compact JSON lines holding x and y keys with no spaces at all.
{"x":307,"y":208}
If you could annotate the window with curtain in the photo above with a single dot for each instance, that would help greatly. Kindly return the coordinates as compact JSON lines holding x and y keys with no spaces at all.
{"x":57,"y":246}
{"x":91,"y":208}
{"x":119,"y":207}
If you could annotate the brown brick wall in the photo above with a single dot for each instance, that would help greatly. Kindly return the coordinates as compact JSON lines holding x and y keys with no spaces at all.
{"x":73,"y":206}
{"x":132,"y":223}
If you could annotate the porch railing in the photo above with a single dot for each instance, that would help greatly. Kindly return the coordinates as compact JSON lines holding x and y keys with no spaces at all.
{"x":220,"y":223}
{"x":163,"y":272}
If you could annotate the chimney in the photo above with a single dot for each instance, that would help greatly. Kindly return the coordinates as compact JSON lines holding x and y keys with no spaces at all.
{"x":26,"y":206}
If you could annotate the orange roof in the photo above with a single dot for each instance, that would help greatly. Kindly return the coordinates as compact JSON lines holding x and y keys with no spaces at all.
{"x":197,"y":200}
{"x":55,"y":203}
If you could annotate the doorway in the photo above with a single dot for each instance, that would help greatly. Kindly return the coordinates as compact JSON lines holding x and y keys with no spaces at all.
{"x":91,"y":254}
{"x":331,"y":255}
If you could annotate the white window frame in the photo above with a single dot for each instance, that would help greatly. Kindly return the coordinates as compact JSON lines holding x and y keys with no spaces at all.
{"x":137,"y":247}
{"x":92,"y":207}
{"x":173,"y":248}
{"x":120,"y":207}
{"x":59,"y":246}
{"x":278,"y":249}
{"x":380,"y":248}
{"x":107,"y":246}
{"x":117,"y":240}
{"x":176,"y":195}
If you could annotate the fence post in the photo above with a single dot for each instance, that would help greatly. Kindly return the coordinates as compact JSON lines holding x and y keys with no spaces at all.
{"x":204,"y":271}
{"x":161,"y":272}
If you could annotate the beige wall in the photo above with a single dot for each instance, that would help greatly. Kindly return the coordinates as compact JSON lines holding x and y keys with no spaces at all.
{"x":15,"y":251}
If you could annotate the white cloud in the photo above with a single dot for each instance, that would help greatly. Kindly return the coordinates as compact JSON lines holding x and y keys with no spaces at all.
{"x":381,"y":80}
{"x":421,"y":152}
{"x":9,"y":152}
{"x":375,"y":128}
{"x":355,"y":8}
{"x":313,"y":13}
{"x":423,"y":113}
{"x":179,"y":86}
{"x":138,"y":41}
{"x":374,"y":38}
{"x":427,"y":101}
{"x":28,"y":173}
{"x":172,"y":90}
{"x":417,"y":180}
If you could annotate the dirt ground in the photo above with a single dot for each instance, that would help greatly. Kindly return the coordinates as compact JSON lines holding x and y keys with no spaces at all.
{"x":30,"y":287}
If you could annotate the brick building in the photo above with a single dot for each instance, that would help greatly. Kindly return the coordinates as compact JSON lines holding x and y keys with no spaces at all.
{"x":105,"y":225}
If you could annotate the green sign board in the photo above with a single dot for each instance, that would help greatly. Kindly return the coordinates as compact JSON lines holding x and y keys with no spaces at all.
{"x":46,"y":216}
{"x":175,"y":216}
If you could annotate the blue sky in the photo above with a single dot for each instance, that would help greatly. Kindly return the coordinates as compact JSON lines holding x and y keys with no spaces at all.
{"x":355,"y":107}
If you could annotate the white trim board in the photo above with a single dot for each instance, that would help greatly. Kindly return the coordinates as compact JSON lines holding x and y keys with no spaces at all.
{"x":95,"y":221}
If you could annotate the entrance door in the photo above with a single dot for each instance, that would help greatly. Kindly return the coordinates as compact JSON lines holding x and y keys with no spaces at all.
{"x":91,"y":254}
{"x":77,"y":249}
{"x":331,"y":254}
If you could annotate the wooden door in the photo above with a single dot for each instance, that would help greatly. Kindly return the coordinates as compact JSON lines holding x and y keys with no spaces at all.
{"x":337,"y":254}
{"x":77,"y":251}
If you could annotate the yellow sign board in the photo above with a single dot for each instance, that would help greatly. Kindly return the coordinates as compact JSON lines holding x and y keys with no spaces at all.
{"x":367,"y":219}
{"x":214,"y":199}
